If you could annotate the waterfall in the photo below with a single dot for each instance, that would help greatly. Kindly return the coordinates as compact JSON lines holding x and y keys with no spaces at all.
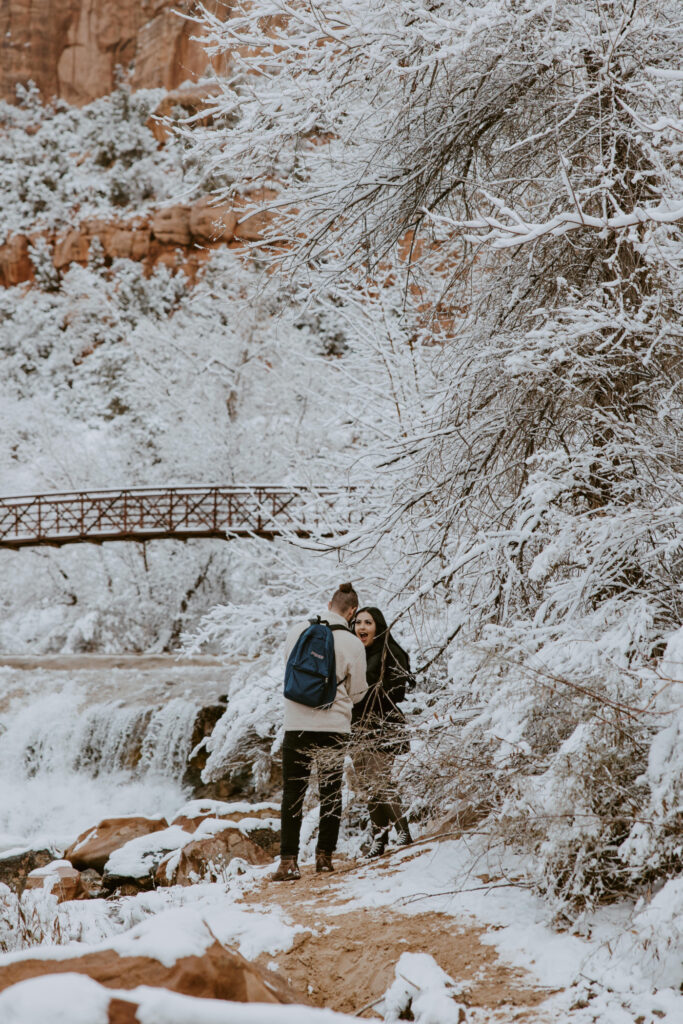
{"x":78,"y":746}
{"x":56,"y":734}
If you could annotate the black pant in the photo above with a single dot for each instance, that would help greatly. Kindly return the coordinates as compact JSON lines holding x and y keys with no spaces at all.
{"x":299,"y":751}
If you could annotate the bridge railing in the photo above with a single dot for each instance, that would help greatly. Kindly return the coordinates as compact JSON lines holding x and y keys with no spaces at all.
{"x":182,"y":512}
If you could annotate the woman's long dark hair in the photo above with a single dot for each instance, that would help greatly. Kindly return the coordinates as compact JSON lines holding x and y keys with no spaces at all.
{"x":383,"y":645}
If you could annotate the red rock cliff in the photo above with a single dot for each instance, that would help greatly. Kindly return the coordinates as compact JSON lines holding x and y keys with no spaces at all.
{"x":72,"y":48}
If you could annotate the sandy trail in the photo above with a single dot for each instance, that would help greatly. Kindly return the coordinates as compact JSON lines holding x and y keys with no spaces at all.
{"x":345,"y":960}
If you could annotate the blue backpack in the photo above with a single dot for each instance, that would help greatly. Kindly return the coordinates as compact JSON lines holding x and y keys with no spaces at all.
{"x":311,"y":672}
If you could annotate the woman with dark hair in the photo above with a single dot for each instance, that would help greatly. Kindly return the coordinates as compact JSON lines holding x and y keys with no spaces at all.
{"x":379,"y":726}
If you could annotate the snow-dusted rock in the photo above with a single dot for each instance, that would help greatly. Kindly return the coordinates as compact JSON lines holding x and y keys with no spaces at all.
{"x":191,"y":824}
{"x":16,"y":866}
{"x":192,"y":99}
{"x":15,"y":262}
{"x":219,"y":973}
{"x":138,"y":859}
{"x":171,"y":225}
{"x":206,"y":857}
{"x":265,"y":832}
{"x":232,"y":809}
{"x":91,"y":884}
{"x":58,"y":877}
{"x":71,"y":246}
{"x":94,"y":847}
{"x":252,"y":227}
{"x":261,"y":825}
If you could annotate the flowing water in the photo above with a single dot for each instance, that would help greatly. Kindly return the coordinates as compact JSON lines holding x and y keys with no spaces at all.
{"x":85,"y":737}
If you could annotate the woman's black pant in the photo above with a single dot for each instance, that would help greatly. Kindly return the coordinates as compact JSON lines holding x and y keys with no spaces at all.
{"x":299,"y":751}
{"x":373,"y":767}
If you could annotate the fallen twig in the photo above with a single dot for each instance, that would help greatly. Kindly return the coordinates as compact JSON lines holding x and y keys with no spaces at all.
{"x":457,"y":892}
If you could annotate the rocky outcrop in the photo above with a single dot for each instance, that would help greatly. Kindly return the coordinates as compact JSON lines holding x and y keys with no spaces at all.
{"x":220,"y":973}
{"x":265,"y":835}
{"x":76,"y":49}
{"x":193,"y":101}
{"x":93,"y":848}
{"x":91,"y":884}
{"x":15,"y":262}
{"x":180,"y":236}
{"x":209,"y":221}
{"x":207,"y":718}
{"x":136,"y":861}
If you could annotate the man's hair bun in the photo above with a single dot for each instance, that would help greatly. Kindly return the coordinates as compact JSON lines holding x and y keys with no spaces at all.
{"x":344,"y":598}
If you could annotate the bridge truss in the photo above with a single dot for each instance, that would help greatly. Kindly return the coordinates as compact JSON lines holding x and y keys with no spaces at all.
{"x":168,"y":512}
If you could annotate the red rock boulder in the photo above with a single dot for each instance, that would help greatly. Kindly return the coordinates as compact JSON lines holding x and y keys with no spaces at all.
{"x":15,"y":262}
{"x":71,"y":246}
{"x":204,"y":859}
{"x":15,"y":868}
{"x":220,"y":973}
{"x":93,"y":848}
{"x":261,"y":827}
{"x":251,"y":227}
{"x":76,"y":48}
{"x":197,"y":811}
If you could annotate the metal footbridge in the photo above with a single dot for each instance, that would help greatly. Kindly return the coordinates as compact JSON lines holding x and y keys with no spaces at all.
{"x":150,"y":513}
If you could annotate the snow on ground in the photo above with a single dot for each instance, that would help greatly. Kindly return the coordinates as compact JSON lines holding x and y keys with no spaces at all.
{"x":603,"y":975}
{"x":169,"y":924}
{"x":441,"y":878}
{"x":609,"y":969}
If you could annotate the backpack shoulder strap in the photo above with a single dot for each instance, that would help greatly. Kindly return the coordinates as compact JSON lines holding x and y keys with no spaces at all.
{"x":317,"y":621}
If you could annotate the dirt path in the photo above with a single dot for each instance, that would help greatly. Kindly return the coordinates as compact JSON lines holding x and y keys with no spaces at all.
{"x":345,"y":960}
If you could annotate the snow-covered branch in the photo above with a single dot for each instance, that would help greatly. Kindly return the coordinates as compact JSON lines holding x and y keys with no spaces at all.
{"x":503,"y":235}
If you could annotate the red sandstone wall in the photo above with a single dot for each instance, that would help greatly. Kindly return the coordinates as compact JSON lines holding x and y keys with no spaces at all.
{"x":71,"y":48}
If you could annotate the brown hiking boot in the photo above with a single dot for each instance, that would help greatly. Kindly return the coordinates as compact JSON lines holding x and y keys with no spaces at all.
{"x":288,"y":871}
{"x":323,"y":861}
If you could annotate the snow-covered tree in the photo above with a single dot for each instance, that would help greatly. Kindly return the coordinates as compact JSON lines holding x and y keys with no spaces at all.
{"x":516,"y":165}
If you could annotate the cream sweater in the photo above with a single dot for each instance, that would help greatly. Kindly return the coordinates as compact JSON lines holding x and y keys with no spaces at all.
{"x":349,"y":656}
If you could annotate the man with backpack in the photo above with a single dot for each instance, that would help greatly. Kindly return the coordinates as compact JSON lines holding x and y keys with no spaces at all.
{"x":324,"y":678}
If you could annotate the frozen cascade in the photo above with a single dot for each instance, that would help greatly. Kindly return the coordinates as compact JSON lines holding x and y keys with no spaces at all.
{"x":79,"y":746}
{"x":167,"y":741}
{"x":57,"y":734}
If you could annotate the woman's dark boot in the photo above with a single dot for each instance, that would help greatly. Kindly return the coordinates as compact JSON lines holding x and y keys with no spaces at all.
{"x":380,"y":838}
{"x":403,"y":836}
{"x":323,"y":861}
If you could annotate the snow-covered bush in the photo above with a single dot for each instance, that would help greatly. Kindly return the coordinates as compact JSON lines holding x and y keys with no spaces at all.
{"x":61,"y":164}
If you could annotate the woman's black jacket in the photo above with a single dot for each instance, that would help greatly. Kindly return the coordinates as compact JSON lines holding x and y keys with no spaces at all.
{"x":376,"y":715}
